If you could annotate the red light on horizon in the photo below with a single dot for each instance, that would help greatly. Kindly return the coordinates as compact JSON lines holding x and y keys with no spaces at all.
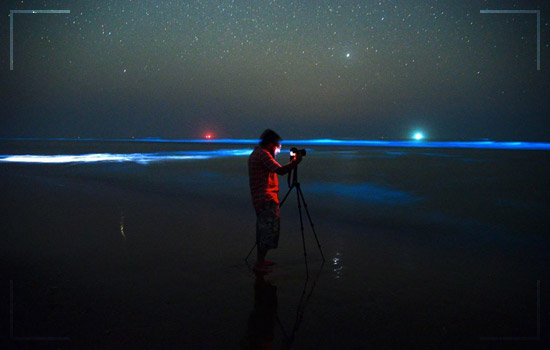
{"x":208,"y":136}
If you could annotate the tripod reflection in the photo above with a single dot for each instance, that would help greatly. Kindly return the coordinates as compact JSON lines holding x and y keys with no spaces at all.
{"x":262,"y":319}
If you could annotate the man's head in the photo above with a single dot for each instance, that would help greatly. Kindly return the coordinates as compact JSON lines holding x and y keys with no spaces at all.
{"x":270,"y":140}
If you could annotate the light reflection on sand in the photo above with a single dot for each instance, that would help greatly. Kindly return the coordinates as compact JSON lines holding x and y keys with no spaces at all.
{"x":337,"y":266}
{"x":122,"y":226}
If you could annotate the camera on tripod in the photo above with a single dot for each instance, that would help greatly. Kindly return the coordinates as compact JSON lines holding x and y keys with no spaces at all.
{"x":294,"y":151}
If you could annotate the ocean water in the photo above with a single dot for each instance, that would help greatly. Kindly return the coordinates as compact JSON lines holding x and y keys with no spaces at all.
{"x":429,"y":186}
{"x":142,"y":244}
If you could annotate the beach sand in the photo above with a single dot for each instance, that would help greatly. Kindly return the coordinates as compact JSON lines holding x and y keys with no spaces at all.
{"x":424,"y":249}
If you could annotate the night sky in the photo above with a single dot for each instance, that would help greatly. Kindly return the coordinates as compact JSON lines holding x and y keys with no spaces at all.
{"x":308,"y":69}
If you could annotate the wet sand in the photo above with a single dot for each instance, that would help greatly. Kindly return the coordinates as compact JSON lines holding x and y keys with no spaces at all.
{"x":112,"y":256}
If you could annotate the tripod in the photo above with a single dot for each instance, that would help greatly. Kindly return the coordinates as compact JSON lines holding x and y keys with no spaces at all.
{"x":293,"y":174}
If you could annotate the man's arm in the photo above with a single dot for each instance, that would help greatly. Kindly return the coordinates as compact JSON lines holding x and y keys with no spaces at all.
{"x":285,"y":169}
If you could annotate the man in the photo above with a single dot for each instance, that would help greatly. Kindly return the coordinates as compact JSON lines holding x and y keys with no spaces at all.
{"x":264,"y":187}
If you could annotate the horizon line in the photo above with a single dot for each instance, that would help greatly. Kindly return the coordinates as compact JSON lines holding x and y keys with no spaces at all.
{"x":479,"y":143}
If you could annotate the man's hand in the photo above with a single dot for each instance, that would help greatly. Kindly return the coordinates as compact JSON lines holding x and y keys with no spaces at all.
{"x":291,"y":165}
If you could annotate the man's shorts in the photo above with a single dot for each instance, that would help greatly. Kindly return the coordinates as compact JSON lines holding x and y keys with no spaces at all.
{"x":268,"y":224}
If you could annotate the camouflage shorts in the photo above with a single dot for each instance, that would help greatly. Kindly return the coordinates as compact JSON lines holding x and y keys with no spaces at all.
{"x":267,"y":226}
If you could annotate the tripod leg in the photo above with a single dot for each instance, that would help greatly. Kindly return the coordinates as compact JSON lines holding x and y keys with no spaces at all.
{"x":302,"y":228}
{"x":250,"y":252}
{"x":301,"y":196}
{"x":286,"y":195}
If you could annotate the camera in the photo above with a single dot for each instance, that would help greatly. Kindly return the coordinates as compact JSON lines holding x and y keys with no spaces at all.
{"x":294,"y":151}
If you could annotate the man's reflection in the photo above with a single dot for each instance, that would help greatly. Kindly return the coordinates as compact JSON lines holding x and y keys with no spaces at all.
{"x":262,"y":319}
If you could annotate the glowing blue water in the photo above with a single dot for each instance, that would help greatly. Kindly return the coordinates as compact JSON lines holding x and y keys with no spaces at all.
{"x":141,"y":158}
{"x":364,"y":192}
{"x":332,"y":142}
{"x":146,"y":158}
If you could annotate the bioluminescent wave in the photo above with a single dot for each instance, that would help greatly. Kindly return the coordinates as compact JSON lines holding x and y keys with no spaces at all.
{"x":426,"y":144}
{"x":422,"y":143}
{"x":140,"y":158}
{"x":365,"y":192}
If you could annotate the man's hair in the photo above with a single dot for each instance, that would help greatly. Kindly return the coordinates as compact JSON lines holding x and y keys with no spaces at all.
{"x":269,"y":136}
